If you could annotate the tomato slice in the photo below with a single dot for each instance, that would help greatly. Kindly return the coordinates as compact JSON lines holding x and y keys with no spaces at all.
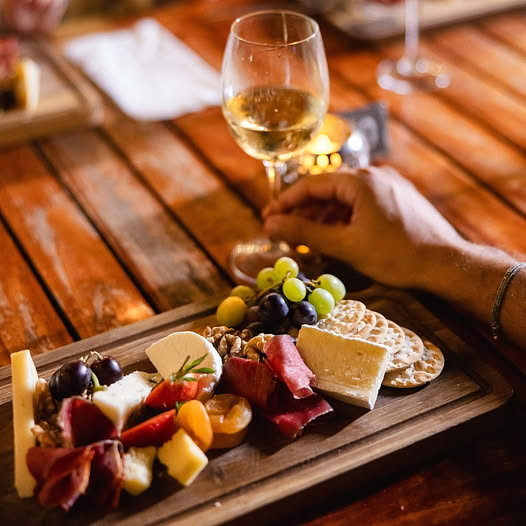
{"x":193,"y":418}
{"x":228,"y":413}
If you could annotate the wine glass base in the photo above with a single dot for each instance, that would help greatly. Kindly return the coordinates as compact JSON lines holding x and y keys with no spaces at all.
{"x":247,"y":259}
{"x":405,"y":76}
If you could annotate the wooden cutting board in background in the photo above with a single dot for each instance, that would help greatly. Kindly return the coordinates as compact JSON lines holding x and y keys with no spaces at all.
{"x":269,"y":476}
{"x":66,"y":100}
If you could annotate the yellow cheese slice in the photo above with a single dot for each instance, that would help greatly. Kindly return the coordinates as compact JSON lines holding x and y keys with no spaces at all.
{"x":24,"y":377}
{"x":349,"y":369}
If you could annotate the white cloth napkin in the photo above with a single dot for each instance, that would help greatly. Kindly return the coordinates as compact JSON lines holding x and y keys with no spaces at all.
{"x":150,"y":74}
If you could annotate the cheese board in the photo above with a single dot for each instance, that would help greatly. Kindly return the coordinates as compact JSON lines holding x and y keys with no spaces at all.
{"x":66,"y":100}
{"x":269,"y":475}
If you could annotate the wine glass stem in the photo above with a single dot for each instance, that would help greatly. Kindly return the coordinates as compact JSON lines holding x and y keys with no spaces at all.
{"x":274,"y":171}
{"x":411,"y":30}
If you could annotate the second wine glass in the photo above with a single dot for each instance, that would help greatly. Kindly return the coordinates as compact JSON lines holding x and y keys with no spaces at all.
{"x":275,"y":86}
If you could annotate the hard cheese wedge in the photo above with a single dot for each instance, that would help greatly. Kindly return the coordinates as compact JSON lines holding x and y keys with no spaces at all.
{"x":169,"y":353}
{"x":120,"y":399}
{"x":349,"y":369}
{"x":138,"y":462}
{"x":24,"y":377}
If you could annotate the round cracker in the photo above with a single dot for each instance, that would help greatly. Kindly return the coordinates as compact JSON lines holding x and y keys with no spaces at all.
{"x":411,"y":351}
{"x":421,"y":372}
{"x":394,"y":338}
{"x":376,"y":332}
{"x":345,"y":319}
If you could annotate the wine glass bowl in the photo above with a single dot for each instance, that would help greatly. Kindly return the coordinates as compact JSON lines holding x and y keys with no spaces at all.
{"x":275,"y":90}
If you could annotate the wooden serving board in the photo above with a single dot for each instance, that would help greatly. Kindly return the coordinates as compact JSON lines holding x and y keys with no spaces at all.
{"x":66,"y":100}
{"x":268,"y":474}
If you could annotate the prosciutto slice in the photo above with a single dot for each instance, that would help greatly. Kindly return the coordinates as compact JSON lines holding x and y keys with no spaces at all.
{"x":83,"y":423}
{"x":291,"y":414}
{"x":251,"y":379}
{"x":287,"y":364}
{"x":107,"y":474}
{"x":64,"y":474}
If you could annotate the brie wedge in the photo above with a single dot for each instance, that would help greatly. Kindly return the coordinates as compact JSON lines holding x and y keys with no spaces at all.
{"x":24,"y":377}
{"x":120,"y":399}
{"x":349,"y":369}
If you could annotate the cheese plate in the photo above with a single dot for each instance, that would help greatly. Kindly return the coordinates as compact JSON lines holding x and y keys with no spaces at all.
{"x":269,"y":475}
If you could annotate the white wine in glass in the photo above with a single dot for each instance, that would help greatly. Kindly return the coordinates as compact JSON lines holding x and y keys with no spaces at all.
{"x":275,"y":87}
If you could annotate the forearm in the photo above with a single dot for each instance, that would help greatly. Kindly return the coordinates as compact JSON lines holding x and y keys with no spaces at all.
{"x":468,"y":276}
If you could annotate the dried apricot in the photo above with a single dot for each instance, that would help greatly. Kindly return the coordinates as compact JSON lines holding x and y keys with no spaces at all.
{"x":228,"y":413}
{"x":193,"y":418}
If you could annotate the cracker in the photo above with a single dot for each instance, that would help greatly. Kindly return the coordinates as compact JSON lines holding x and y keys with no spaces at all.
{"x":345,"y":319}
{"x":410,"y":352}
{"x":394,"y":338}
{"x":375,"y":333}
{"x":419,"y":373}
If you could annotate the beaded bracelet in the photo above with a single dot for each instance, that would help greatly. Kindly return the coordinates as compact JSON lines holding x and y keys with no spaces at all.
{"x":495,"y":314}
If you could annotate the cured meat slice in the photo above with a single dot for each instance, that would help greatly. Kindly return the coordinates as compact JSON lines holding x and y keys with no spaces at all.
{"x":287,"y":364}
{"x":249,"y":378}
{"x":107,"y":474}
{"x":62,"y":474}
{"x":83,"y":423}
{"x":291,"y":415}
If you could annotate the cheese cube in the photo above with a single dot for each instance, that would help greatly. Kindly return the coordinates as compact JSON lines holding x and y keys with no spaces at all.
{"x":349,"y":369}
{"x":183,"y":458}
{"x":120,"y":399}
{"x":24,"y":377}
{"x":138,"y":463}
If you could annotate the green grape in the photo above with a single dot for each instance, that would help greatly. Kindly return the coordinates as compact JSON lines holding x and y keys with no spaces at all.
{"x":333,"y":285}
{"x":286,"y":266}
{"x":245,"y":293}
{"x":231,"y":311}
{"x":294,"y":289}
{"x":266,"y":278}
{"x":322,"y":301}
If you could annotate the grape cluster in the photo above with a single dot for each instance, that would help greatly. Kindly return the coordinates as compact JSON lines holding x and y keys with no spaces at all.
{"x":74,"y":377}
{"x":284,"y":297}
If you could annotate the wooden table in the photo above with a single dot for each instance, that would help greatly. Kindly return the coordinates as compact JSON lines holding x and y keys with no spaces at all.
{"x":105,"y":227}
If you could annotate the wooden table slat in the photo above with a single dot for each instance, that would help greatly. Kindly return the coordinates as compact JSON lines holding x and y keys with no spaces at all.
{"x":209,"y":209}
{"x":27,"y":317}
{"x":511,"y":29}
{"x":87,"y":281}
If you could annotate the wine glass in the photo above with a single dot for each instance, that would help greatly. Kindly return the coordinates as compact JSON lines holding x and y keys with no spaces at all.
{"x":411,"y":72}
{"x":275,"y":86}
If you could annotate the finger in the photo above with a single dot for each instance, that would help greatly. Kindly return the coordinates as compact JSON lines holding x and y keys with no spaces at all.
{"x":298,"y":230}
{"x":341,"y":186}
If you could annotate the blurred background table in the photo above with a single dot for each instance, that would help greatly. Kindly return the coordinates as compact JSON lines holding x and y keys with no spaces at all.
{"x":104,"y":227}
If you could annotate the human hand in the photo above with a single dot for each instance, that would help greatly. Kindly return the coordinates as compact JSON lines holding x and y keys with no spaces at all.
{"x":32,"y":16}
{"x":390,"y":233}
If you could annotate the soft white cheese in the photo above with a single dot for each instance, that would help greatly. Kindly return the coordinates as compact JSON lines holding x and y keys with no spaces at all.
{"x":349,"y":369}
{"x":169,"y":353}
{"x":120,"y":399}
{"x":24,"y":377}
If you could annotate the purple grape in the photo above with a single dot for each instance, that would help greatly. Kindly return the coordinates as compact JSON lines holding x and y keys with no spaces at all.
{"x":273,"y":309}
{"x":107,"y":370}
{"x":252,"y":314}
{"x":303,"y":313}
{"x":73,"y":378}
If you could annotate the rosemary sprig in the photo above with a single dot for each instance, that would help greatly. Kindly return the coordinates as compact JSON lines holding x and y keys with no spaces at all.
{"x":190,"y":368}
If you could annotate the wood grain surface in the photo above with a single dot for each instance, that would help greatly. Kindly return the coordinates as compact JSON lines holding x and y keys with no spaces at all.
{"x":102,"y":228}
